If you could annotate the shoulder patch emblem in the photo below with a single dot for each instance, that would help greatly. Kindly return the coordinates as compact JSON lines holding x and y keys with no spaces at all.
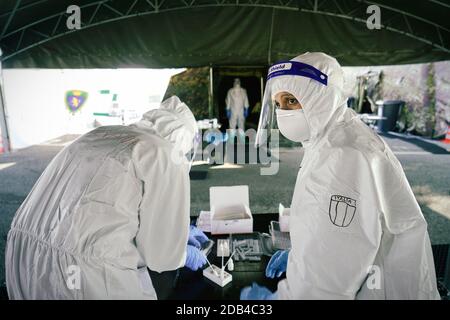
{"x":342,"y":210}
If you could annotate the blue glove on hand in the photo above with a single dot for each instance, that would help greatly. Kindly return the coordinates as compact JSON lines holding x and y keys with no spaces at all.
{"x":277,"y":264}
{"x":195,"y":259}
{"x":228,"y":114}
{"x":196,"y":237}
{"x":245,"y":112}
{"x":256,"y":292}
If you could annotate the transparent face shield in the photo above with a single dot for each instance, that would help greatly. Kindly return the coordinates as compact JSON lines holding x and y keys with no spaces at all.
{"x":286,"y":68}
{"x":195,"y":148}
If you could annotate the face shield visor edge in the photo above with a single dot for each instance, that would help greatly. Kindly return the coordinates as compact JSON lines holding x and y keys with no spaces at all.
{"x":287,"y":68}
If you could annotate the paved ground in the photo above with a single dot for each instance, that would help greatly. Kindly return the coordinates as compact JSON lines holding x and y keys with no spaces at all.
{"x":426,"y":163}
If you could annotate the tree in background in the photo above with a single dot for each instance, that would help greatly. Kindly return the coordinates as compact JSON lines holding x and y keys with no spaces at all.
{"x":431,"y":97}
{"x":423,"y":116}
{"x":191,"y":86}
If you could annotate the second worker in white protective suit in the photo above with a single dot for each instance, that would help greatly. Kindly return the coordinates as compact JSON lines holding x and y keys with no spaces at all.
{"x":356,"y":228}
{"x":109,"y":205}
{"x":237,"y":106}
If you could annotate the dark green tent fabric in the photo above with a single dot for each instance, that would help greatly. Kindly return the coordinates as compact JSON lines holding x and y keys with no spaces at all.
{"x":191,"y":33}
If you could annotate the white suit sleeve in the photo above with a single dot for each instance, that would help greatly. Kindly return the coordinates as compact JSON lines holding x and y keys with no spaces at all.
{"x":228,"y":100}
{"x":164,"y":209}
{"x":405,"y":248}
{"x":246,"y":104}
{"x":335,"y":231}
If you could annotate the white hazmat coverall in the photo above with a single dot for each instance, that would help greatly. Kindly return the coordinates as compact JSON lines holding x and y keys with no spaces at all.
{"x":357,"y":230}
{"x":236,"y":102}
{"x":108,"y":206}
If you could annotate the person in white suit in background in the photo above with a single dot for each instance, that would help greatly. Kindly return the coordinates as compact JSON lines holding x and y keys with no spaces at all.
{"x":237,"y":107}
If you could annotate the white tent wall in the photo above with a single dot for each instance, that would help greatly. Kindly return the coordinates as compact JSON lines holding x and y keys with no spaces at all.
{"x":36,"y":106}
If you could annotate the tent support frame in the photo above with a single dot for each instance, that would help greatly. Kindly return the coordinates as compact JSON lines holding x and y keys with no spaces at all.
{"x":40,"y":36}
{"x":4,"y":132}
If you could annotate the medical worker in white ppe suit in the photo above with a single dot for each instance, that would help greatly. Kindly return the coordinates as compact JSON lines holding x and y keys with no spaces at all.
{"x":237,"y":106}
{"x":109,"y":205}
{"x":357,"y":231}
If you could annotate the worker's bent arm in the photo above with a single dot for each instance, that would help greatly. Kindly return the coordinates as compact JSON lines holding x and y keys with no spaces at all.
{"x":165,"y":208}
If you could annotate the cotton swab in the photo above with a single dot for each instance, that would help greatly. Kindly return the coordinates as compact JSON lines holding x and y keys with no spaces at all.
{"x":213,"y":270}
{"x":229,"y":259}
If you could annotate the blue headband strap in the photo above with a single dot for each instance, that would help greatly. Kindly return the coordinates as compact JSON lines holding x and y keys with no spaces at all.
{"x":295,"y":68}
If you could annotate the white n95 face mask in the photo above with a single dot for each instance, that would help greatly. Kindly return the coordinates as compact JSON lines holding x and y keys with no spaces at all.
{"x":293,"y":125}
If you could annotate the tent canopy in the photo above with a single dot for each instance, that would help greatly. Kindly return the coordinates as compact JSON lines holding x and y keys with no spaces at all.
{"x":191,"y":33}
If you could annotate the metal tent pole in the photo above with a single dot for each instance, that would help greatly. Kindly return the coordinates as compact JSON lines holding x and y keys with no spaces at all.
{"x":4,"y":132}
{"x":211,"y":94}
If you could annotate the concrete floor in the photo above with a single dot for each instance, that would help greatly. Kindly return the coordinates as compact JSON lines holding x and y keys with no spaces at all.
{"x":426,"y":163}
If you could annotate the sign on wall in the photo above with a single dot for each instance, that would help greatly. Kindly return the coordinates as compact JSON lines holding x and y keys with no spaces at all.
{"x":75,"y":99}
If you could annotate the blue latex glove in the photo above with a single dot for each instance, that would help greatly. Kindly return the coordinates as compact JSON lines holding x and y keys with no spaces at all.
{"x":256,"y":292}
{"x":195,"y":259}
{"x":196,"y":237}
{"x":228,"y":114}
{"x":277,"y":264}
{"x":245,"y":112}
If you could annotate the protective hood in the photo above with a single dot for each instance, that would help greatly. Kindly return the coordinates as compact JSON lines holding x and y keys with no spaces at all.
{"x":173,"y":121}
{"x":318,"y":88}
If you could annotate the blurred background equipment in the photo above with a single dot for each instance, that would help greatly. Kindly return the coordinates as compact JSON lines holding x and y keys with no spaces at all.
{"x":388,"y":111}
{"x":367,"y":91}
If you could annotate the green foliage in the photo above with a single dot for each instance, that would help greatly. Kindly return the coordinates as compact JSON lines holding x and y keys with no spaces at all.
{"x":191,"y":86}
{"x":425,"y":117}
{"x":431,"y":92}
{"x":378,"y":89}
{"x":419,"y":117}
{"x":406,"y":118}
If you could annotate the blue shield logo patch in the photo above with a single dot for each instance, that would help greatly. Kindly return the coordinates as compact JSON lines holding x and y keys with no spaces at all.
{"x":75,"y":99}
